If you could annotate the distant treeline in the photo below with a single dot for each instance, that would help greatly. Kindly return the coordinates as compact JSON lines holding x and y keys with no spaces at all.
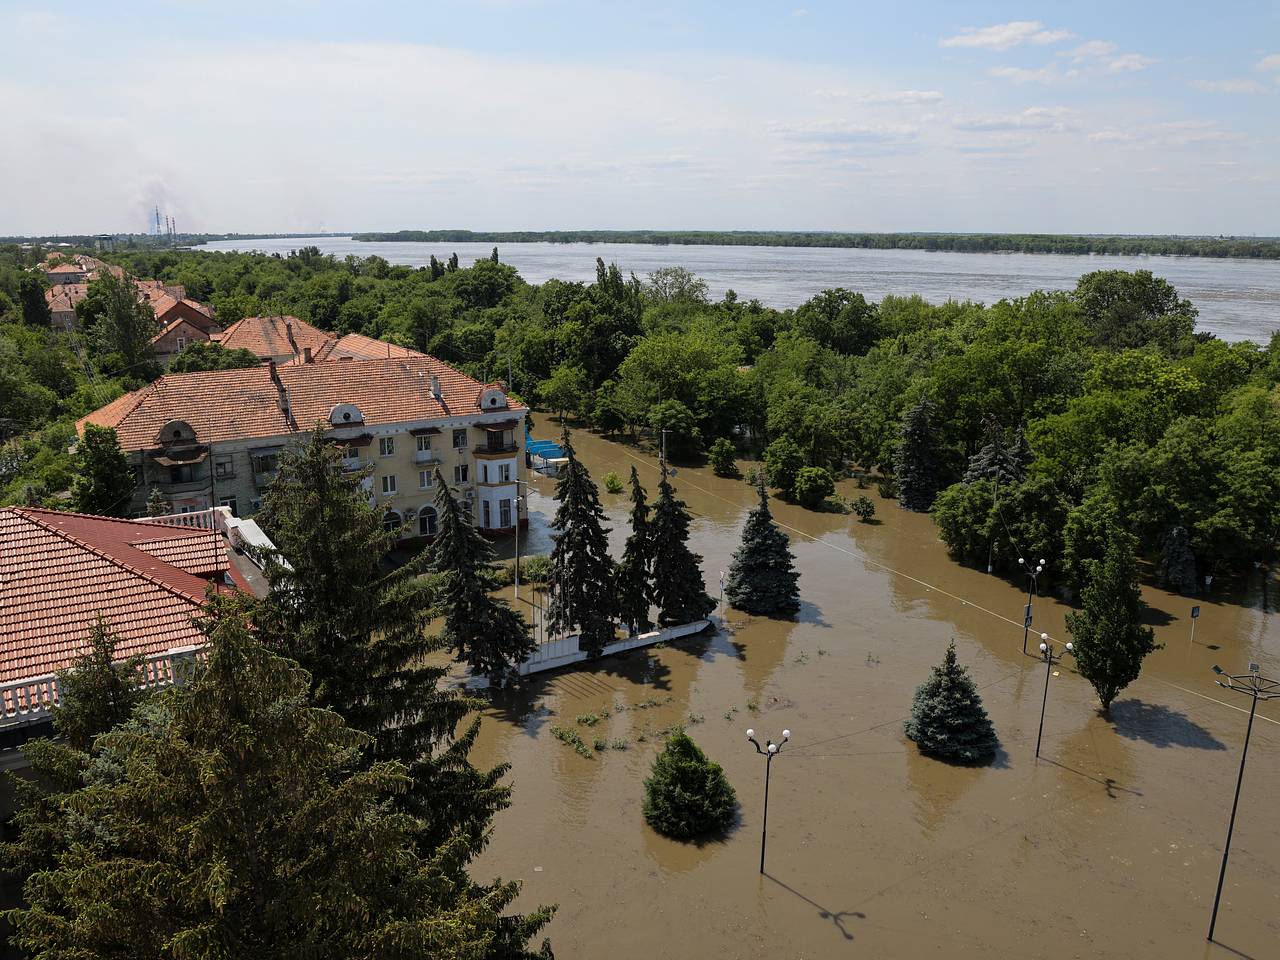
{"x":1267,"y":248}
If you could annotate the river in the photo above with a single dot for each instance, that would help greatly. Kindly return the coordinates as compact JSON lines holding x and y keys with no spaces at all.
{"x":1237,"y":299}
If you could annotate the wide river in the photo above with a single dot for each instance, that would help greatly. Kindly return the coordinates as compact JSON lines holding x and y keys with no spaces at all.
{"x":1238,"y":299}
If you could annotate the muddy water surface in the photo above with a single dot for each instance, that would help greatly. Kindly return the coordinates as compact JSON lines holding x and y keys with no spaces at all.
{"x":1108,"y":847}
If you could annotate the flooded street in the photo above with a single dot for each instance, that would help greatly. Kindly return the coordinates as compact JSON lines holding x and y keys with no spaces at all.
{"x":1109,"y":847}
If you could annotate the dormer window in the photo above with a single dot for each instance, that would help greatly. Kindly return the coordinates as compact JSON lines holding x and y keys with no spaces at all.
{"x":345,"y":415}
{"x":492,"y":398}
{"x":176,"y":431}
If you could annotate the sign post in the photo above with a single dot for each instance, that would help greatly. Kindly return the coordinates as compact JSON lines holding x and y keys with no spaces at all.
{"x":1195,"y":615}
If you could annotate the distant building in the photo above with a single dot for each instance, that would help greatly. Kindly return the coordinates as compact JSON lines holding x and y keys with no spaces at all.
{"x":64,"y":271}
{"x":215,"y":438}
{"x":63,"y":300}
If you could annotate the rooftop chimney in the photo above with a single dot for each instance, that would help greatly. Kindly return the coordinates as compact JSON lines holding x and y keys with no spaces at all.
{"x":306,"y":354}
{"x":435,"y":386}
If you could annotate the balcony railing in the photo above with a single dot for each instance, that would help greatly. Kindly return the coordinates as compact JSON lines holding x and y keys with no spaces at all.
{"x":424,"y":456}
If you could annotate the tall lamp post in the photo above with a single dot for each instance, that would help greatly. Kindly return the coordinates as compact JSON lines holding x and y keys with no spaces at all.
{"x":769,"y":751}
{"x":1259,"y":688}
{"x":1032,"y":573}
{"x":1046,"y":651}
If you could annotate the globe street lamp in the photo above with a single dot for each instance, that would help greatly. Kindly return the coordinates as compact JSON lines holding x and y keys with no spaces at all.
{"x":769,"y":751}
{"x":1032,"y":573}
{"x":1259,"y":688}
{"x":1046,"y":651}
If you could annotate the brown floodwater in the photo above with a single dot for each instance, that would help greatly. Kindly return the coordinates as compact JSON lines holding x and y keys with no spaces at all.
{"x":1107,"y":847}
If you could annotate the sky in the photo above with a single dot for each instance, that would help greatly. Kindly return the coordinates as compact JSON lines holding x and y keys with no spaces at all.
{"x":1087,"y":117}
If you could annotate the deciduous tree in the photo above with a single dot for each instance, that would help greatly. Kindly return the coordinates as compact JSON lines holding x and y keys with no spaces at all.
{"x":103,"y":481}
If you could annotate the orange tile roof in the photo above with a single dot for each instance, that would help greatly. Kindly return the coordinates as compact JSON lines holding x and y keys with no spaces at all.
{"x":65,"y":268}
{"x":223,"y":405}
{"x":59,"y":571}
{"x":356,"y":346}
{"x":65,"y":296}
{"x":269,"y":336}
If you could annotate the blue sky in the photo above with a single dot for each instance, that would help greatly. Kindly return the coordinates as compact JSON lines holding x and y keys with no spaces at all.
{"x":1083,"y":117}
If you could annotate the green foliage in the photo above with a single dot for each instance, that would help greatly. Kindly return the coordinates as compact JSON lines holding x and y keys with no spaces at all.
{"x":918,"y":465}
{"x":673,"y":421}
{"x":96,"y":693}
{"x":535,"y":569}
{"x":686,"y":795}
{"x":721,"y":456}
{"x":613,"y":482}
{"x":103,"y":478}
{"x":813,"y":486}
{"x":783,"y":462}
{"x":947,"y":719}
{"x":1109,"y":638}
{"x":864,"y":508}
{"x":31,"y":300}
{"x":678,"y":592}
{"x":566,"y":390}
{"x":1178,"y":563}
{"x":1134,"y":310}
{"x":762,"y":576}
{"x":206,"y":355}
{"x":158,"y":504}
{"x":120,"y":323}
{"x":634,"y":574}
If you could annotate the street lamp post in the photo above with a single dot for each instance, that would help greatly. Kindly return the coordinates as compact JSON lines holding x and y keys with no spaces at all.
{"x":519,"y":497}
{"x":1032,"y":573}
{"x":1259,"y":688}
{"x":1046,"y":651}
{"x":769,"y":751}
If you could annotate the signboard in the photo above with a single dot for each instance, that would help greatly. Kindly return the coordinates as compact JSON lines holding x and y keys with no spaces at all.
{"x":1195,"y":612}
{"x":1026,"y":616}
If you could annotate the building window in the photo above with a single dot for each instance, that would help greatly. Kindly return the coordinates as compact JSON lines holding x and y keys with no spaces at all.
{"x":265,"y":463}
{"x":424,"y":444}
{"x":461,"y":473}
{"x":504,"y":473}
{"x":229,"y":502}
{"x":224,"y":468}
{"x":391,"y":521}
{"x":427,"y":522}
{"x":386,"y":446}
{"x":351,"y":453}
{"x":488,"y":521}
{"x":504,"y":513}
{"x":484,"y":473}
{"x":389,"y":484}
{"x":459,"y":439}
{"x":184,"y":473}
{"x":426,"y":479}
{"x":182,"y":342}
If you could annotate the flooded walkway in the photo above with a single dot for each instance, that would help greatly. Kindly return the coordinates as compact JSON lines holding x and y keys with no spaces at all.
{"x":1108,"y":848}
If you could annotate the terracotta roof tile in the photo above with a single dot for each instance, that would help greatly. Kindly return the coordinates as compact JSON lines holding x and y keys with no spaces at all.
{"x":270,"y":336}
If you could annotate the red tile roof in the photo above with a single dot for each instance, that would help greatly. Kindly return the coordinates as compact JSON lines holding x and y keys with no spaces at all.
{"x":65,"y":296}
{"x":356,"y":346}
{"x":59,"y":571}
{"x":270,"y":336}
{"x":225,"y":405}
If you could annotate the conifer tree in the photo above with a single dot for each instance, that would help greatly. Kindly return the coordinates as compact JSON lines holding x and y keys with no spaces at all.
{"x":1109,"y":638}
{"x":103,"y":482}
{"x":633,"y":576}
{"x":232,"y":817}
{"x":158,"y":504}
{"x":1003,"y":463}
{"x":762,"y":576}
{"x":96,"y":693}
{"x":918,"y":463}
{"x":947,"y":719}
{"x":678,"y":588}
{"x":480,"y":630}
{"x":581,"y":569}
{"x":1178,"y":562}
{"x":686,"y":795}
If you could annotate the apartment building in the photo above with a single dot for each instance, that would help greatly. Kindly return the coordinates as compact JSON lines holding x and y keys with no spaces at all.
{"x":215,"y":438}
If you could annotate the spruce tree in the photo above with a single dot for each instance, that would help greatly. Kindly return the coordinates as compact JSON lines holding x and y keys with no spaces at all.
{"x":762,"y":576}
{"x":96,"y":693}
{"x":158,"y":504}
{"x":1003,"y":463}
{"x":686,"y":795}
{"x":480,"y":630}
{"x":231,"y":817}
{"x":918,"y":462}
{"x":581,"y":569}
{"x":1178,"y":562}
{"x":633,"y":576}
{"x":947,"y":719}
{"x":103,"y":482}
{"x":1109,"y":638}
{"x":678,"y":588}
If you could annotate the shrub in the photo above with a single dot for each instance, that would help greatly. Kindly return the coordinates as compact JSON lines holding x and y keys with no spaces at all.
{"x":721,"y":455}
{"x":534,"y":569}
{"x":782,"y":461}
{"x":613,"y":482}
{"x":887,"y":487}
{"x":864,"y":508}
{"x":813,"y":486}
{"x":948,"y":720}
{"x":685,"y":794}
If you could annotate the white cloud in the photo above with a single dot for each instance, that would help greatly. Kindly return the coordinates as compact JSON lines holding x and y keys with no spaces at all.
{"x":1184,"y":133}
{"x":1003,"y":36}
{"x":893,"y":97}
{"x":1128,"y":62}
{"x":1103,"y":54}
{"x":1057,"y":119}
{"x":1090,"y":49}
{"x":1046,"y":74}
{"x":842,"y":133}
{"x":1229,"y":86}
{"x":1269,"y":63}
{"x":1112,"y":136}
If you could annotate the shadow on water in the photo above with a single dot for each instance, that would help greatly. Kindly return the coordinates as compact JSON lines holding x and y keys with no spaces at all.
{"x":1160,"y":726}
{"x":1109,"y":784}
{"x":521,"y":707}
{"x":837,"y":917}
{"x":1231,"y":950}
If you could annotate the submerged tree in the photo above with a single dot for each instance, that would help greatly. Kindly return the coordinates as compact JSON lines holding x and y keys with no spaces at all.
{"x":481,"y":630}
{"x":686,"y":795}
{"x":1109,"y":638}
{"x":678,"y":588}
{"x":582,"y":571}
{"x":231,"y":817}
{"x":633,"y":575}
{"x":1003,"y":463}
{"x":762,"y":576}
{"x":1178,"y":562}
{"x":721,"y":457}
{"x":918,"y":464}
{"x":948,"y":719}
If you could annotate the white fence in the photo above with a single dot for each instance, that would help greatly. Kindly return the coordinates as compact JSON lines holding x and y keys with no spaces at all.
{"x":240,"y":534}
{"x":563,"y":652}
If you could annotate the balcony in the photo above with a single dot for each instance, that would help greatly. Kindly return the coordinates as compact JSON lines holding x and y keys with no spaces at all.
{"x":424,"y":456}
{"x":352,"y":464}
{"x":496,"y":449}
{"x":192,"y":485}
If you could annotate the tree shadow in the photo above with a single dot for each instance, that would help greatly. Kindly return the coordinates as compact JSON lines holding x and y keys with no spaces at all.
{"x":1160,"y":726}
{"x":1109,"y":784}
{"x":1155,"y":617}
{"x":520,"y":707}
{"x":837,"y":917}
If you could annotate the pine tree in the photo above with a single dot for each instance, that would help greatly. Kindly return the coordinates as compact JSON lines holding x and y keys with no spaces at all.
{"x":1004,"y":463}
{"x":633,"y":576}
{"x":158,"y":504}
{"x":686,"y":795}
{"x":1109,"y":638}
{"x":103,"y":481}
{"x":233,"y":818}
{"x":678,"y":588}
{"x":918,"y":463}
{"x":1178,"y":562}
{"x":480,"y":630}
{"x":582,"y":571}
{"x":948,"y":720}
{"x":762,"y":576}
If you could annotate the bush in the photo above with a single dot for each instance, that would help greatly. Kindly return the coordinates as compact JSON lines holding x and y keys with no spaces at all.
{"x":721,"y":455}
{"x":535,"y":569}
{"x":782,"y":461}
{"x":613,"y":482}
{"x":948,"y":720}
{"x":685,"y":794}
{"x":864,"y":508}
{"x":887,"y":487}
{"x":813,"y":486}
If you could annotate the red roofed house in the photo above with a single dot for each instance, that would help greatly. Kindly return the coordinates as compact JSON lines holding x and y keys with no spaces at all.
{"x":59,"y":572}
{"x":62,"y":300}
{"x":214,"y":438}
{"x":282,"y":339}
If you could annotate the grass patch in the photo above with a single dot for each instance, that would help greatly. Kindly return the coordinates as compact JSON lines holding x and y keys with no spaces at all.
{"x":570,"y":736}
